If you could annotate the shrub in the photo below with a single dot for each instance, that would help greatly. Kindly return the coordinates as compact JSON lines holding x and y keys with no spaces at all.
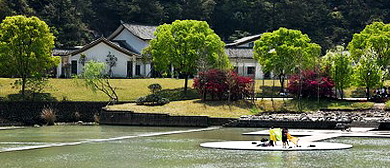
{"x":77,"y":116}
{"x":48,"y":114}
{"x":96,"y":118}
{"x":154,"y":88}
{"x":310,"y":83}
{"x":219,"y":83}
{"x":152,"y":99}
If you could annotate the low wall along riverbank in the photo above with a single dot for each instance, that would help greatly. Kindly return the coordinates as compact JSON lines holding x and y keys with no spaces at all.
{"x":118,"y":117}
{"x":114,"y":117}
{"x":28,"y":112}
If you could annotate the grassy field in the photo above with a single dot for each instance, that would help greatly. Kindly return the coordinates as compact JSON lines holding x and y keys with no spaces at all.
{"x":74,"y":90}
{"x":131,"y":89}
{"x":239,"y":108}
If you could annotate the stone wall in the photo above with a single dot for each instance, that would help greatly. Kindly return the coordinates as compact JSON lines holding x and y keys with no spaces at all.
{"x":28,"y":112}
{"x":115,"y":117}
{"x":150,"y":119}
{"x":384,"y":126}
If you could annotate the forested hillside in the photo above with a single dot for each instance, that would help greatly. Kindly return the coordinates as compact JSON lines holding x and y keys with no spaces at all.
{"x":327,"y":22}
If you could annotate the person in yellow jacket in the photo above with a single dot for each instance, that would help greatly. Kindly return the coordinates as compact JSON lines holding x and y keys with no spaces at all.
{"x":275,"y":134}
{"x":292,"y":139}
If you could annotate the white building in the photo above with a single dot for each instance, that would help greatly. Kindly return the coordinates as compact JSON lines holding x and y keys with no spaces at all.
{"x":126,"y":44}
{"x":240,"y":54}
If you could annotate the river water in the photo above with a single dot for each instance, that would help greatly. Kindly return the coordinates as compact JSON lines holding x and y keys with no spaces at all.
{"x":174,"y":150}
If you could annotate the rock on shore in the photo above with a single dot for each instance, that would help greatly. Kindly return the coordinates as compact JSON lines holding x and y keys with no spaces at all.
{"x":339,"y":116}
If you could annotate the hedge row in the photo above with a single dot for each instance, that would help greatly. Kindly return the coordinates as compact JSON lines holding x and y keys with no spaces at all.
{"x":28,"y":112}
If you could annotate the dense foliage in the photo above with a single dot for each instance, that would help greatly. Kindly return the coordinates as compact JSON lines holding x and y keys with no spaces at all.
{"x":222,"y":84}
{"x":187,"y":45}
{"x":338,"y":65}
{"x":327,"y":22}
{"x":155,"y":87}
{"x":152,"y":100}
{"x":285,"y":51}
{"x":368,"y":73}
{"x":309,"y":83}
{"x":26,"y":45}
{"x":373,"y":41}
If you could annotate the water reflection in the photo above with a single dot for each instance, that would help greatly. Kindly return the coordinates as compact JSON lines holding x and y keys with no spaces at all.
{"x":177,"y":150}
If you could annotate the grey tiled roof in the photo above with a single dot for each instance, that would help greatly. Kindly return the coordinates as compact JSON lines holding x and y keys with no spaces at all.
{"x":141,"y":31}
{"x":239,"y":52}
{"x":123,"y":44}
{"x":244,"y":40}
{"x":109,"y":43}
{"x":63,"y":52}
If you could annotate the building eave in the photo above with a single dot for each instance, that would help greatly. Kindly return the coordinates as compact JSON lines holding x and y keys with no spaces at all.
{"x":109,"y":43}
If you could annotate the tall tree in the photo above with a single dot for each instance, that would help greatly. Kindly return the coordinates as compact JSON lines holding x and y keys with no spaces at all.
{"x":5,"y":10}
{"x":66,"y":18}
{"x":285,"y":51}
{"x":25,"y":47}
{"x":141,"y":11}
{"x":374,"y":40}
{"x":183,"y":43}
{"x":340,"y":65}
{"x":367,"y":73}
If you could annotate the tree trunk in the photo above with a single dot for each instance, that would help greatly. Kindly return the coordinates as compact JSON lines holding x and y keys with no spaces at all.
{"x":368,"y":93}
{"x":24,"y":86}
{"x":272,"y":94}
{"x":185,"y":84}
{"x":281,"y":80}
{"x":204,"y":94}
{"x":263,"y":90}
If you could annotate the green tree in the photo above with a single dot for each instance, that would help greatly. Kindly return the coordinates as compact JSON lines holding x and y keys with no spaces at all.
{"x":111,"y":62}
{"x":95,"y":77}
{"x":68,"y":18}
{"x":367,"y":73}
{"x":187,"y":44}
{"x":5,"y":10}
{"x":25,"y":48}
{"x":340,"y":68}
{"x":284,"y":51}
{"x":374,"y":40}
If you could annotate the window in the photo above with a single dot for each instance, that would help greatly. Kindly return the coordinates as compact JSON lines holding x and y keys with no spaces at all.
{"x":74,"y":67}
{"x":235,"y":69}
{"x":250,"y":70}
{"x":138,"y":70}
{"x":251,"y":44}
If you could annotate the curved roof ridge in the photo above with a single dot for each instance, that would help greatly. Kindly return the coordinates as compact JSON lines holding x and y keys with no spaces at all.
{"x":106,"y":41}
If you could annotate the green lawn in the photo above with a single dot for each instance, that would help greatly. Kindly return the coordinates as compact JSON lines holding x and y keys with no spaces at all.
{"x":69,"y":89}
{"x":238,"y":108}
{"x":310,"y":105}
{"x":131,"y":89}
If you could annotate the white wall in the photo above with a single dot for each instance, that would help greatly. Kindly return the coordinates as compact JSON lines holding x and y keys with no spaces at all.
{"x":132,"y":40}
{"x":99,"y":53}
{"x":59,"y":69}
{"x":243,"y":64}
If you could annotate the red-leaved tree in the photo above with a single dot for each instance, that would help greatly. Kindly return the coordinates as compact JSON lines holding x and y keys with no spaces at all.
{"x":222,"y":84}
{"x":310,"y":84}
